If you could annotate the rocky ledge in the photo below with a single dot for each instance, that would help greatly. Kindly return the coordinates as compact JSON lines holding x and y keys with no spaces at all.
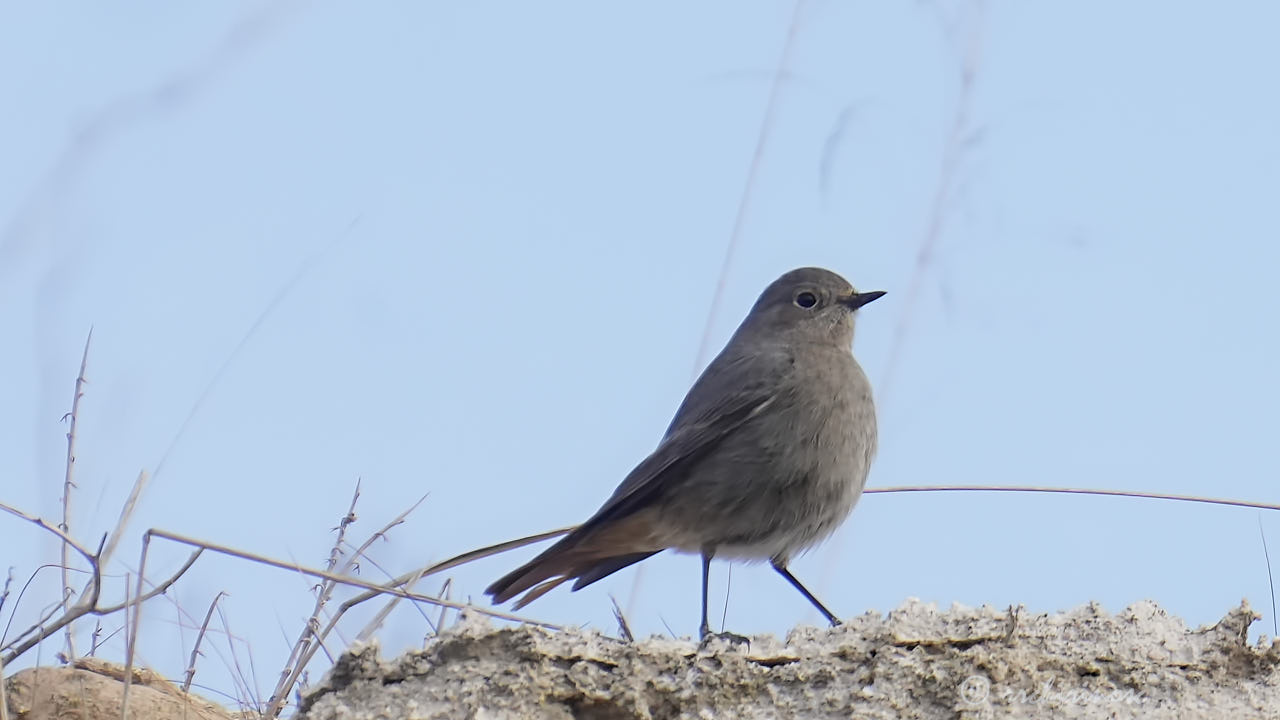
{"x":916,"y":662}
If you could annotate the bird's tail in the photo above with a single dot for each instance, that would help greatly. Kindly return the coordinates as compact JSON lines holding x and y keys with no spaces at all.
{"x":585,"y":555}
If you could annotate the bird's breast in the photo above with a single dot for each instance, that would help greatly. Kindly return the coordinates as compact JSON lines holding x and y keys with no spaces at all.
{"x":788,"y":476}
{"x":835,"y":415}
{"x":819,"y":440}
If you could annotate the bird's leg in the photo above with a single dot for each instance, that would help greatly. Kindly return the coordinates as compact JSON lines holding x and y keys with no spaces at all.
{"x":705,"y":629}
{"x":704,"y":632}
{"x":781,"y":567}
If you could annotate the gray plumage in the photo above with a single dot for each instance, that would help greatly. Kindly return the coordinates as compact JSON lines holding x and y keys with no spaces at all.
{"x":765,"y":458}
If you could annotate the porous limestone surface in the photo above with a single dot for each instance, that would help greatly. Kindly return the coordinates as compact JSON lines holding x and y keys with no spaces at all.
{"x":915,"y":662}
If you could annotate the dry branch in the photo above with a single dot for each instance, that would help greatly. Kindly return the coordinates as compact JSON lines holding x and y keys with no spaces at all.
{"x":4,"y":701}
{"x":156,"y":590}
{"x":292,"y":668}
{"x":40,"y":522}
{"x":68,"y":482}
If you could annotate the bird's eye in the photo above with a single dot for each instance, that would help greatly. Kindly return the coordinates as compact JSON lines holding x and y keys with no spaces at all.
{"x":806,"y":300}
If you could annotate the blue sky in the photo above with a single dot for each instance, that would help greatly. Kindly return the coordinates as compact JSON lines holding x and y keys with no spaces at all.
{"x":470,"y":250}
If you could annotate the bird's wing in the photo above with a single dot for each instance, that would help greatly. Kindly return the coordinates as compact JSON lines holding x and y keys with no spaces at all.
{"x":730,"y":392}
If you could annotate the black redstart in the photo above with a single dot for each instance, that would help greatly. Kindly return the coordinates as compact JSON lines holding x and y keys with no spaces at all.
{"x":766,"y":456}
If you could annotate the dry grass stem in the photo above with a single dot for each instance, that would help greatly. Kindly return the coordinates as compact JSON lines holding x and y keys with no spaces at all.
{"x":728,"y":587}
{"x":624,"y":629}
{"x":1271,"y":583}
{"x":373,"y":588}
{"x":45,"y":615}
{"x":187,"y":620}
{"x":1074,"y":491}
{"x":4,"y":700}
{"x":32,"y":636}
{"x":772,"y":102}
{"x":381,"y":615}
{"x":245,"y":690}
{"x":68,"y":483}
{"x":131,"y":634}
{"x":960,"y":138}
{"x":491,"y":550}
{"x":130,"y":641}
{"x":4,"y":595}
{"x":456,"y":561}
{"x":446,"y":592}
{"x":126,"y":512}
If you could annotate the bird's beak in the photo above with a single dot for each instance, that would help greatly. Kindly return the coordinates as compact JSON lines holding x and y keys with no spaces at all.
{"x":853,"y":301}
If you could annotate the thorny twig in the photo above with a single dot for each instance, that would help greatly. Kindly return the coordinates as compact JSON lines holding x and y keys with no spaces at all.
{"x":381,"y":534}
{"x":299,"y":660}
{"x":68,"y":483}
{"x":4,"y":594}
{"x":323,"y":592}
{"x":95,"y":637}
{"x":98,"y":640}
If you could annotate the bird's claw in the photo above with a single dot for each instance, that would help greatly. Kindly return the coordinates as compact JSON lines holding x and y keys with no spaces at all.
{"x":733,"y":638}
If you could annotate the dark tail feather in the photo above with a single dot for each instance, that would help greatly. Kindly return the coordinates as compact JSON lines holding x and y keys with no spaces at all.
{"x":586,"y":557}
{"x":556,"y":561}
{"x":610,"y":566}
{"x":524,"y":577}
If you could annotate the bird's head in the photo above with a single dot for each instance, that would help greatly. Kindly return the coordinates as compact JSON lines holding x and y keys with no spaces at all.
{"x":808,"y":305}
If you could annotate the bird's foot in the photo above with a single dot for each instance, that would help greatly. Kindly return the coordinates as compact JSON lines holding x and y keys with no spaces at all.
{"x":709,"y":637}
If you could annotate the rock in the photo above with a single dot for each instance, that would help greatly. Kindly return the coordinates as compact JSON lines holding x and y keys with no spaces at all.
{"x":93,"y":689}
{"x":917,"y":662}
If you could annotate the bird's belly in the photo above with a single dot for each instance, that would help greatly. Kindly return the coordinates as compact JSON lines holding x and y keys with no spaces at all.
{"x":775,"y":496}
{"x":793,"y":521}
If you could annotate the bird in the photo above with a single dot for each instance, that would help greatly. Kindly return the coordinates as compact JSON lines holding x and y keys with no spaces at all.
{"x":765,"y":457}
